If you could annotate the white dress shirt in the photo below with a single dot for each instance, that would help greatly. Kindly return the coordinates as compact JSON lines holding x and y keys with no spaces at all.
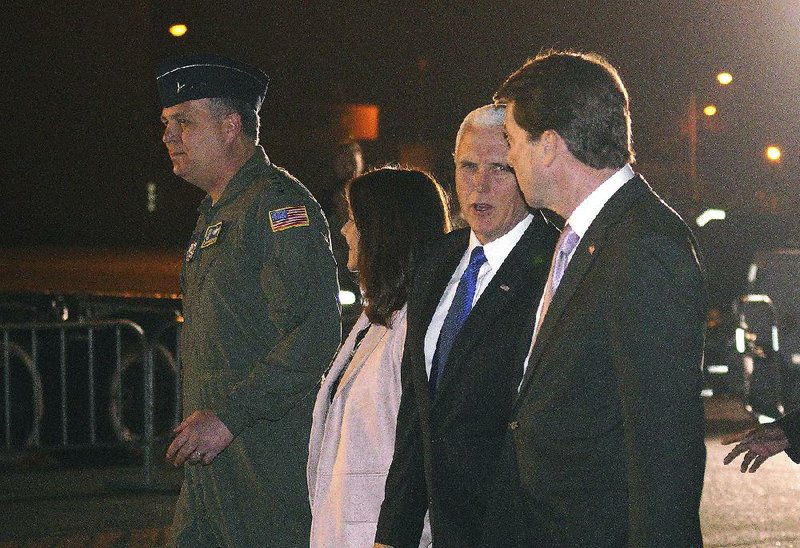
{"x":580,"y":220}
{"x":496,"y":252}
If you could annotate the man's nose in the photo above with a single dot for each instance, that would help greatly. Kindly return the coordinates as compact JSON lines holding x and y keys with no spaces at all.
{"x":169,"y":133}
{"x":483,"y":179}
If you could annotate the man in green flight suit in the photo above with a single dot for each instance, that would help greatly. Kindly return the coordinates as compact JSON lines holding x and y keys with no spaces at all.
{"x":261,"y":315}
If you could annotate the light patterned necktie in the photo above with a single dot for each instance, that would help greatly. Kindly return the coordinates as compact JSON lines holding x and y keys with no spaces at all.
{"x":566,"y":245}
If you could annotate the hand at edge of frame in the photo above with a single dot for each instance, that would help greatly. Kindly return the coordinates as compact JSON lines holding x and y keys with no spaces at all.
{"x":757,"y":444}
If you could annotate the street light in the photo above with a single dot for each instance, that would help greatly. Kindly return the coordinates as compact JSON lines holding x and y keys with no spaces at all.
{"x":724,"y":79}
{"x":773,"y":154}
{"x":177,"y":30}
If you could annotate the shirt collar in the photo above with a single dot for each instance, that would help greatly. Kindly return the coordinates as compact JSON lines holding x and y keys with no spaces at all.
{"x":590,"y":207}
{"x":497,"y":250}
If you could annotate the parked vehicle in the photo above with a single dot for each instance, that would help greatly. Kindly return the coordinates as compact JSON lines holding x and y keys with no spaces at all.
{"x":767,"y":338}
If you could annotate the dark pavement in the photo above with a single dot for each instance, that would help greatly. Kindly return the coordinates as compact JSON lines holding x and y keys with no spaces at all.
{"x":99,"y":506}
{"x":45,"y":506}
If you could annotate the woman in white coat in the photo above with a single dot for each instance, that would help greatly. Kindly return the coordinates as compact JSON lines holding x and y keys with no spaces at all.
{"x":390,"y":212}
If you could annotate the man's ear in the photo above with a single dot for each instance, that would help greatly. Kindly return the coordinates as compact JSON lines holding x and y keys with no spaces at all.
{"x":553,"y":145}
{"x":232,"y":124}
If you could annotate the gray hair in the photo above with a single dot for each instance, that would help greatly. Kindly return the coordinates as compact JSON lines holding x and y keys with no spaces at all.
{"x":251,"y":123}
{"x":487,"y":116}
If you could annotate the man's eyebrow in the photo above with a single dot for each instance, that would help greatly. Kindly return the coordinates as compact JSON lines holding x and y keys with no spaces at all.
{"x":176,"y":114}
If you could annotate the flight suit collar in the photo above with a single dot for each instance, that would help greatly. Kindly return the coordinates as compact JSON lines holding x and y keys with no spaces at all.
{"x":253,"y":167}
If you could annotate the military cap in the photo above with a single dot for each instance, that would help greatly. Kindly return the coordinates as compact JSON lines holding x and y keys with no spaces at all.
{"x":202,"y":76}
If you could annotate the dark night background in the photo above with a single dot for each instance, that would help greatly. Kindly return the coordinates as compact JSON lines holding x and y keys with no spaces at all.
{"x":82,"y":135}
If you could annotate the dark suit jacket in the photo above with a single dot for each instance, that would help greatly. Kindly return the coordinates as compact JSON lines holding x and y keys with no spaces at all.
{"x":790,"y":424}
{"x":445,"y":449}
{"x":605,"y":444}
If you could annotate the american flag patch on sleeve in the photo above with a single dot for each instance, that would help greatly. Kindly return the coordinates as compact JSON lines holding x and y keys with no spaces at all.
{"x":288,"y":217}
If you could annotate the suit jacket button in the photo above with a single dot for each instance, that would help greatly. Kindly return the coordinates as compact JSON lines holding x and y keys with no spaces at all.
{"x":513,"y":425}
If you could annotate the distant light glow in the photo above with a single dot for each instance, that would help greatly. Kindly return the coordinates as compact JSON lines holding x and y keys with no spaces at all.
{"x":710,"y":215}
{"x":710,"y":110}
{"x":151,"y":197}
{"x":757,"y":298}
{"x":748,"y":365}
{"x":740,"y":341}
{"x":718,"y":369}
{"x":763,"y":419}
{"x":347,"y":298}
{"x":724,"y":78}
{"x":177,"y":30}
{"x":358,"y":122}
{"x":773,"y":153}
{"x":706,"y":393}
{"x":775,"y":345}
{"x":752,"y":273}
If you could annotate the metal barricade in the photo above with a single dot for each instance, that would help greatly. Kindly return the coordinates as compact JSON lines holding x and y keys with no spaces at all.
{"x":88,"y":385}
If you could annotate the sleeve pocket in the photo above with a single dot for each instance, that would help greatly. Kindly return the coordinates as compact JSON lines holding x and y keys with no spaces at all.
{"x":362,"y":497}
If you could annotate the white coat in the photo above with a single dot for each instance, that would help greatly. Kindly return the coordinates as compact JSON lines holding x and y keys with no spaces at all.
{"x":352,"y":437}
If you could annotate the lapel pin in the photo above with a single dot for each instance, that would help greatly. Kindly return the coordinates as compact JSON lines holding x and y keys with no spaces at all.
{"x":504,"y":287}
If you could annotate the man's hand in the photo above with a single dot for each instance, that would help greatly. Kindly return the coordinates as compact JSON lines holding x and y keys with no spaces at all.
{"x":758,"y":444}
{"x":379,"y":545}
{"x":199,"y":439}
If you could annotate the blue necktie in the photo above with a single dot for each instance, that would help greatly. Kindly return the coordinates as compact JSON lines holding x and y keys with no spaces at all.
{"x":456,"y":316}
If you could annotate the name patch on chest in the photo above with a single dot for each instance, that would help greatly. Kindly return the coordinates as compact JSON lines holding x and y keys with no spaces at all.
{"x":288,"y":217}
{"x":212,"y":235}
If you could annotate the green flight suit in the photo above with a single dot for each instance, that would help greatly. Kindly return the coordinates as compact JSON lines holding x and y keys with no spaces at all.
{"x":260,"y":302}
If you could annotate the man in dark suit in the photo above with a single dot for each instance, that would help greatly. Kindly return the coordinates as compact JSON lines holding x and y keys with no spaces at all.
{"x":459,"y":380}
{"x":605,"y":444}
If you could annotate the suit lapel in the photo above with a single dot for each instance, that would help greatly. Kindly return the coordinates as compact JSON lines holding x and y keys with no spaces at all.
{"x":432,"y":287}
{"x":424,"y":296}
{"x":590,"y":247}
{"x":373,"y":337}
{"x":512,"y":280}
{"x":339,"y":361}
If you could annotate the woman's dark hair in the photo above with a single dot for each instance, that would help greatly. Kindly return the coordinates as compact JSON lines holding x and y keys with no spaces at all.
{"x":394,"y":210}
